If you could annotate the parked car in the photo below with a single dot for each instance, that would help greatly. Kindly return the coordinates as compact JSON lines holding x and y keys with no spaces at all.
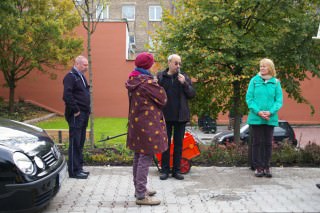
{"x":283,"y":132}
{"x":207,"y":124}
{"x":31,"y":167}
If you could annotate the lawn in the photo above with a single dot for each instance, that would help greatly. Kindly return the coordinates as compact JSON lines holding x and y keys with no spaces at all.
{"x":103,"y":127}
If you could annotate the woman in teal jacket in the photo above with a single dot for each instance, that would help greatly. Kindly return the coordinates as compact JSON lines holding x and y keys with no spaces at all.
{"x":264,"y":99}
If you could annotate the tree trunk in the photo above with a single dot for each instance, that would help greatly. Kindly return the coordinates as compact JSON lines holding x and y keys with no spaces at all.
{"x":11,"y":99}
{"x":91,"y":86}
{"x":236,"y":110}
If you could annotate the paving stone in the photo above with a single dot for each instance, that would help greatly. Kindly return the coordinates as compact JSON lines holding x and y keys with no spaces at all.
{"x":205,"y":189}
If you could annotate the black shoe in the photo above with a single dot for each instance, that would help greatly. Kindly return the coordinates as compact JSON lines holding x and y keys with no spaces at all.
{"x":79,"y":175}
{"x":259,"y":172}
{"x":267,"y":173}
{"x":164,"y":176}
{"x":318,"y":185}
{"x":85,"y":172}
{"x":178,"y":176}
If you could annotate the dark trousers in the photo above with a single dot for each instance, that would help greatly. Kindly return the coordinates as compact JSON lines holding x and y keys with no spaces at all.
{"x":262,"y":136}
{"x":250,"y":163}
{"x":141,"y":164}
{"x":77,"y":137}
{"x":178,"y":129}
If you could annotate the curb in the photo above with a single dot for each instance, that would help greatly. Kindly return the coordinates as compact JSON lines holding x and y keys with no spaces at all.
{"x":35,"y":120}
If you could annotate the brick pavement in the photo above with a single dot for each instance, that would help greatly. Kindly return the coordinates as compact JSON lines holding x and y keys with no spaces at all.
{"x":205,"y":189}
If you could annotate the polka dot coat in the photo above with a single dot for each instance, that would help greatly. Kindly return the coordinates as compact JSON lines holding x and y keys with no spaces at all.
{"x":146,"y":124}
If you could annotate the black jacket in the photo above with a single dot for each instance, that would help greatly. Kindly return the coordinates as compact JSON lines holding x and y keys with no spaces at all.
{"x":177,"y":108}
{"x":75,"y":95}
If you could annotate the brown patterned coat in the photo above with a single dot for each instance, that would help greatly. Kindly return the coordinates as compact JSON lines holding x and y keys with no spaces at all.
{"x":146,"y":125}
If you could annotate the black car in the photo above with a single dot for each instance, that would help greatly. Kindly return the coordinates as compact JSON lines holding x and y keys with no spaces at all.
{"x":283,"y":132}
{"x":31,"y":167}
{"x":207,"y":124}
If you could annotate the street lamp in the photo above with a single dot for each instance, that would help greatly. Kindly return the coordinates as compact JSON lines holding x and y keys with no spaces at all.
{"x":318,"y":35}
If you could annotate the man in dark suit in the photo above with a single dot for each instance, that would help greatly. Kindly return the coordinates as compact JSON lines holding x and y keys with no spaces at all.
{"x":76,"y":96}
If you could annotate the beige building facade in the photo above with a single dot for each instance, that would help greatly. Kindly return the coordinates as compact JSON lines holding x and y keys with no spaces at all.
{"x":142,"y":17}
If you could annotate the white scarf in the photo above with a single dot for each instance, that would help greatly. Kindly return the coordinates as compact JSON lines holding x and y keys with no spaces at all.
{"x":265,"y":77}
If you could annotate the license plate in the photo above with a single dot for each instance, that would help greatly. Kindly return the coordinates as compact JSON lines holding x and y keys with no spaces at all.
{"x":62,"y":174}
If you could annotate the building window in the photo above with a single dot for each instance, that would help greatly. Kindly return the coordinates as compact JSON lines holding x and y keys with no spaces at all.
{"x":151,"y":44}
{"x":78,"y":2}
{"x":128,"y":12}
{"x":104,"y":14}
{"x":132,"y":39}
{"x":155,"y":13}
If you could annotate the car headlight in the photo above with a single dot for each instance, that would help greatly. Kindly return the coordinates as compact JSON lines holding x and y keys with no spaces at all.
{"x":23,"y":163}
{"x":220,"y":139}
{"x":39,"y":162}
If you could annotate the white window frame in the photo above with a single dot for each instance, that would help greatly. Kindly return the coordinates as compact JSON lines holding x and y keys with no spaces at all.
{"x":129,"y":7}
{"x":104,"y":14}
{"x":155,"y":12}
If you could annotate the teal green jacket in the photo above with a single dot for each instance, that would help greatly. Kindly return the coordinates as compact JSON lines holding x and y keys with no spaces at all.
{"x":264,"y":96}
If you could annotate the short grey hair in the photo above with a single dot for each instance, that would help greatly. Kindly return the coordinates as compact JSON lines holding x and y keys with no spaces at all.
{"x":79,"y":59}
{"x":173,"y":55}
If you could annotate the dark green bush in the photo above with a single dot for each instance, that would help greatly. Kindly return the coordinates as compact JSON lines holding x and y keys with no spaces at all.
{"x":214,"y":155}
{"x":237,"y":155}
{"x":311,"y":154}
{"x":22,"y":110}
{"x":223,"y":155}
{"x":285,"y":155}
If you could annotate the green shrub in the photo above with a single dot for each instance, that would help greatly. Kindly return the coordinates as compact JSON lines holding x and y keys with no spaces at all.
{"x":285,"y":154}
{"x":311,"y":154}
{"x":213,"y":155}
{"x":237,"y":155}
{"x":223,"y":155}
{"x":22,"y":110}
{"x":108,"y":156}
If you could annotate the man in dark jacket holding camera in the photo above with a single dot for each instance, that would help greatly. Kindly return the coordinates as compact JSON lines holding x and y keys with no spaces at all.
{"x":76,"y":96}
{"x":179,"y":89}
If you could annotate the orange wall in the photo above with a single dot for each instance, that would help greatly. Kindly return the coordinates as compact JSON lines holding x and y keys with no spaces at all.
{"x":111,"y":70}
{"x":301,"y":113}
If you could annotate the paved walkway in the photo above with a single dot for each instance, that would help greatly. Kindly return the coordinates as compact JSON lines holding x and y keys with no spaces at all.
{"x":205,"y":189}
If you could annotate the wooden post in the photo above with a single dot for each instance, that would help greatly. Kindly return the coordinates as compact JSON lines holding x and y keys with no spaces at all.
{"x":60,"y":136}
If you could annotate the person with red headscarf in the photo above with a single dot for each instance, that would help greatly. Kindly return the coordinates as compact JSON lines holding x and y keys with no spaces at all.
{"x":146,"y":126}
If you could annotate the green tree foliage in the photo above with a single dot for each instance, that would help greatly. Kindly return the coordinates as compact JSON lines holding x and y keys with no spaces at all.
{"x":222,"y":41}
{"x":35,"y":35}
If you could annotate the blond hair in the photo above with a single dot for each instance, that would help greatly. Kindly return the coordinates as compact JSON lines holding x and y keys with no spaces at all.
{"x":270,"y":64}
